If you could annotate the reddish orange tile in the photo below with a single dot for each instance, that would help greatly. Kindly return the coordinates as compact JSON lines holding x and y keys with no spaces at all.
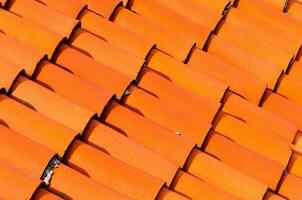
{"x":106,"y":53}
{"x":225,"y":177}
{"x":71,"y":8}
{"x":15,"y":150}
{"x":295,"y":164}
{"x":170,"y":145}
{"x":194,"y":188}
{"x":46,"y":102}
{"x":272,"y":196}
{"x":273,"y":33}
{"x":255,"y":45}
{"x":284,"y":108}
{"x":75,"y":89}
{"x":112,"y":173}
{"x":194,"y":10}
{"x":115,"y":34}
{"x":23,"y":55}
{"x":256,"y":139}
{"x":290,"y":187}
{"x":103,"y":7}
{"x":170,"y":42}
{"x":159,"y":14}
{"x":235,"y":155}
{"x":244,"y":60}
{"x":181,"y":98}
{"x":83,"y":66}
{"x":273,"y":16}
{"x":132,"y":153}
{"x":295,"y":9}
{"x":217,"y":6}
{"x":166,"y":194}
{"x":169,"y":117}
{"x":29,"y":33}
{"x":9,"y":72}
{"x":42,"y":194}
{"x":259,"y":117}
{"x":296,"y":69}
{"x":35,"y":126}
{"x":44,"y":16}
{"x":243,"y":83}
{"x":290,"y":87}
{"x":181,"y":75}
{"x":15,"y":184}
{"x":71,"y":184}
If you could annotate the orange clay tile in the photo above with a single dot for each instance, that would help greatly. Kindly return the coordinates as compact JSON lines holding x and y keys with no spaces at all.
{"x":284,"y":108}
{"x":263,"y":29}
{"x":103,"y":7}
{"x":295,"y":9}
{"x":290,"y":187}
{"x":194,"y":188}
{"x":163,"y":89}
{"x":29,"y":33}
{"x":259,"y":117}
{"x":71,"y":8}
{"x":2,"y":2}
{"x":244,"y":60}
{"x":235,"y":155}
{"x":290,"y":87}
{"x":272,"y":196}
{"x":16,"y":148}
{"x":241,"y":82}
{"x":9,"y":72}
{"x":111,"y":172}
{"x":172,"y":43}
{"x":254,"y":45}
{"x":27,"y":125}
{"x":44,"y":16}
{"x":83,"y":66}
{"x":75,"y":89}
{"x":256,"y":139}
{"x":193,"y":10}
{"x":106,"y":53}
{"x":273,"y":16}
{"x":225,"y":177}
{"x":166,"y":194}
{"x":295,"y":165}
{"x":169,"y":116}
{"x":199,"y":83}
{"x":69,"y":183}
{"x":42,"y":194}
{"x":115,"y":34}
{"x":168,"y":144}
{"x":15,"y":184}
{"x":279,"y":4}
{"x":296,"y":69}
{"x":298,"y":142}
{"x":23,"y":55}
{"x":159,"y":14}
{"x":35,"y":126}
{"x":217,"y":6}
{"x":47,"y":102}
{"x":132,"y":153}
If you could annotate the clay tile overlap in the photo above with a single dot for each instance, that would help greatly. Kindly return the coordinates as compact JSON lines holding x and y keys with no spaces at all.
{"x":150,"y":99}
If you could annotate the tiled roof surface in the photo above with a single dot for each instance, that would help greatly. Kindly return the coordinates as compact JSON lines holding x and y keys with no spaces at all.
{"x":150,"y":99}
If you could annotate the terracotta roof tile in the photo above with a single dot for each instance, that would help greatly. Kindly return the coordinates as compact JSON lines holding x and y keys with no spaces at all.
{"x":42,"y":15}
{"x":12,"y":179}
{"x":141,"y":99}
{"x":71,"y":8}
{"x":27,"y":32}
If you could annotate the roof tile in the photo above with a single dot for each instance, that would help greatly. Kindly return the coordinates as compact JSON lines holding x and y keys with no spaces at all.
{"x":9,"y":72}
{"x":290,"y":187}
